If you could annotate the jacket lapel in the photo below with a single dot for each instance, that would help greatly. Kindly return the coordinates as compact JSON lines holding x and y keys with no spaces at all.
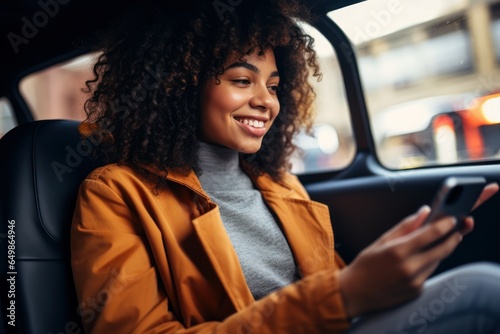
{"x":305,"y":223}
{"x":216,"y":243}
{"x":222,"y":255}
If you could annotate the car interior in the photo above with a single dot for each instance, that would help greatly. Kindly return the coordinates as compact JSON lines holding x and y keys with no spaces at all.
{"x":43,"y":160}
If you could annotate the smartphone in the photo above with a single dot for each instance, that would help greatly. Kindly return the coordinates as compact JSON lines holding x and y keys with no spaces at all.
{"x":456,"y":197}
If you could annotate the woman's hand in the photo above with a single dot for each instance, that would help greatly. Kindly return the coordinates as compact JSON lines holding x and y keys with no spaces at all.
{"x":393,"y":269}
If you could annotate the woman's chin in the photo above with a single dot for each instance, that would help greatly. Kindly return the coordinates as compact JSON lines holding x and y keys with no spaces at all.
{"x":249,"y":149}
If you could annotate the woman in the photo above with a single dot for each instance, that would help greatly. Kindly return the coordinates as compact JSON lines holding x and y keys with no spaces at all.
{"x":195,"y":225}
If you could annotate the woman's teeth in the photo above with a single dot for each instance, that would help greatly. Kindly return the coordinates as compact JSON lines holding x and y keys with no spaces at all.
{"x":252,"y":122}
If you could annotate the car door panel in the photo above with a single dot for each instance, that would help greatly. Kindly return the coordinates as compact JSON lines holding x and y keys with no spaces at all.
{"x":364,"y":207}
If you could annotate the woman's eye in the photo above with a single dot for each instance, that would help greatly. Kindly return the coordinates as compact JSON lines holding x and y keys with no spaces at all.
{"x":273,"y":88}
{"x":241,"y":81}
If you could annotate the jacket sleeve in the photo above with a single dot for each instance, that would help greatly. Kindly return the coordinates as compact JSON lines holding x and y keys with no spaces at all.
{"x":120,"y":290}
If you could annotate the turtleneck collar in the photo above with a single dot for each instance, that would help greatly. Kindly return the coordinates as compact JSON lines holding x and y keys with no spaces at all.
{"x":220,"y":168}
{"x":216,"y":158}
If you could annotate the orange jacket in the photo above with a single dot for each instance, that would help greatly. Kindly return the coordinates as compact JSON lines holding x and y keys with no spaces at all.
{"x":147,"y":261}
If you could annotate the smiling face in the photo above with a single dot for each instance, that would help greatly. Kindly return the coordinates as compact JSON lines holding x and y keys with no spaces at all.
{"x":238,"y":111}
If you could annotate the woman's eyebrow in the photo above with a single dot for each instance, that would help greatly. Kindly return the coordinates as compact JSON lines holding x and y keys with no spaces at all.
{"x":250,"y":67}
{"x":246,"y":65}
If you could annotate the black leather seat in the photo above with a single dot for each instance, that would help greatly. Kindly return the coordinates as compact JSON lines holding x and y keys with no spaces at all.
{"x":42,"y":166}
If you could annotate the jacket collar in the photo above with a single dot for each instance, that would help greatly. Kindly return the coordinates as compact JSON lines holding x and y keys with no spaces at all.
{"x":263,"y":182}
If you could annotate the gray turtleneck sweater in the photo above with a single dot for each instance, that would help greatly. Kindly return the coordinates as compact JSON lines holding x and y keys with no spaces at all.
{"x":264,"y":253}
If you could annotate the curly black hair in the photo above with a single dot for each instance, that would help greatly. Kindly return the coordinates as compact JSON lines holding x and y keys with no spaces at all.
{"x":144,"y":97}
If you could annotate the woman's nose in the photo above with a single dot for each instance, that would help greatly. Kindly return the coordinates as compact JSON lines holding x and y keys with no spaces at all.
{"x":262,"y":98}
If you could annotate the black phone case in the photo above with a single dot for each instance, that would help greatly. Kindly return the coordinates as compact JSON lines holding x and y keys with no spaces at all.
{"x":456,"y":197}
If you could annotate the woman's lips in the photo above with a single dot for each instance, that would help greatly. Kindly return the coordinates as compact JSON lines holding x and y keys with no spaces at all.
{"x":252,"y":126}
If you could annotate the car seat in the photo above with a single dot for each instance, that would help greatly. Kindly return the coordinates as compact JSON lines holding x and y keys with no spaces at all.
{"x":42,"y":166}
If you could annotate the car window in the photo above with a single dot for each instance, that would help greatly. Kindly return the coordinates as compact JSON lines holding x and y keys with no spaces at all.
{"x":331,"y":147}
{"x":56,"y":92}
{"x":7,"y":118}
{"x":431,"y":78}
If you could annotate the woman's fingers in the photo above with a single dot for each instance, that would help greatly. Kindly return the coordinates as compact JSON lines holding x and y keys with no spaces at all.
{"x":488,"y":191}
{"x":438,"y":251}
{"x":467,"y":226}
{"x":424,"y":237}
{"x":407,"y":225}
{"x":415,"y":221}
